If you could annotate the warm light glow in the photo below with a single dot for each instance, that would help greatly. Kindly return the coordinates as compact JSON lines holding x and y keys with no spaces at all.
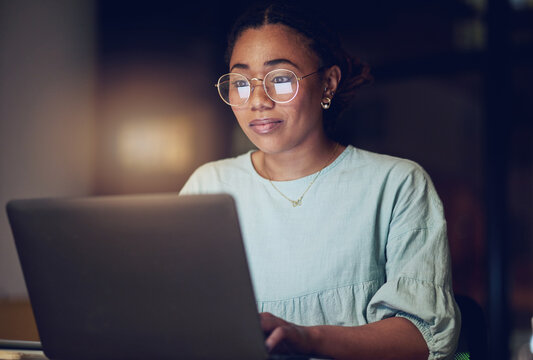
{"x":156,"y":145}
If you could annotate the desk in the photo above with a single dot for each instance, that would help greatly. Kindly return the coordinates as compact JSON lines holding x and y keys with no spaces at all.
{"x":38,"y":355}
{"x":21,"y":350}
{"x":15,"y":354}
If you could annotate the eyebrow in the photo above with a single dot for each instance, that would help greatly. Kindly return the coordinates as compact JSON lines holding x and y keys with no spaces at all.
{"x":267,"y":63}
{"x":280,"y":61}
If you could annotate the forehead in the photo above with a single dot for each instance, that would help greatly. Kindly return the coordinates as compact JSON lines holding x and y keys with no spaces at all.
{"x":256,"y":46}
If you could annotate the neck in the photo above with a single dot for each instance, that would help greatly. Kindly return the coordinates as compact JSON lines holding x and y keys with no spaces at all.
{"x":297,"y":162}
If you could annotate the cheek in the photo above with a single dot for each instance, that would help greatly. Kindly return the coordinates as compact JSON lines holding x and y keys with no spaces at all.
{"x":312,"y":94}
{"x":240,"y":115}
{"x":308,"y":100}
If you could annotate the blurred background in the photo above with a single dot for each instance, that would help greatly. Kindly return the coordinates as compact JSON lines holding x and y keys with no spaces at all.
{"x":117,"y":97}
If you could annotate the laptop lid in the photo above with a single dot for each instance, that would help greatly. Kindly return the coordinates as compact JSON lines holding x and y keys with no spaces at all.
{"x":137,"y":277}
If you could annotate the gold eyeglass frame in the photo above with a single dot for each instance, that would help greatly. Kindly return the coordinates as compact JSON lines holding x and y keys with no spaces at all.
{"x":252,"y":87}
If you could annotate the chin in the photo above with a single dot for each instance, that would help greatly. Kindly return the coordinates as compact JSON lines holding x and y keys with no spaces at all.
{"x":273,"y":143}
{"x":272,"y":148}
{"x":263,"y":143}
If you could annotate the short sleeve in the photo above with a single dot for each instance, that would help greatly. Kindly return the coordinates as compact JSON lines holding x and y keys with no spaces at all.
{"x":418,"y":271}
{"x":204,"y":180}
{"x":192,"y":186}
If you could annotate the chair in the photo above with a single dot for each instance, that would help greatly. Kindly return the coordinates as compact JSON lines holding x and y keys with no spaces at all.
{"x":473,"y":336}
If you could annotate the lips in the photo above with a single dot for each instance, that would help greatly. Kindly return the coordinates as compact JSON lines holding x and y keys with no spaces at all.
{"x":265,"y":126}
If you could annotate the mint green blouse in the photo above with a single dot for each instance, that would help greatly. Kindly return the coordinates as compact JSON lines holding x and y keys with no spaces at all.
{"x":368,"y":242}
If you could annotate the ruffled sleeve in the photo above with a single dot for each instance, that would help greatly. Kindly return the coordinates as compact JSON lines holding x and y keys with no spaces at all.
{"x":418,"y":272}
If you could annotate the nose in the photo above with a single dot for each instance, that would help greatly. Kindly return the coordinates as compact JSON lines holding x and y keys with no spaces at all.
{"x":259,"y":100}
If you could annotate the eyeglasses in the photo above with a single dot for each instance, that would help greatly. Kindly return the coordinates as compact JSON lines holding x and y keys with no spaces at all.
{"x":280,"y":85}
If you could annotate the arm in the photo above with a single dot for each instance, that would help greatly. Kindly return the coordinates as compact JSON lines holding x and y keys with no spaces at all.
{"x":392,"y":338}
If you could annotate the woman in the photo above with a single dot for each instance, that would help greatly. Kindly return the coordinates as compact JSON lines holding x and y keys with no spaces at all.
{"x":347,"y":248}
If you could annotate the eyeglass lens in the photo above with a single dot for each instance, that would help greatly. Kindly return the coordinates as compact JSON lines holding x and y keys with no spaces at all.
{"x":280,"y":86}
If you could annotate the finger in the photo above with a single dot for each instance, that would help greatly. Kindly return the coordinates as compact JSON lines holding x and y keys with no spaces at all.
{"x":276,"y":338}
{"x":269,"y":322}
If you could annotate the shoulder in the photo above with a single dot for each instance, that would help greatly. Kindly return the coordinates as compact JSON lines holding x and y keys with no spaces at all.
{"x":398,"y":182}
{"x":214,"y":175}
{"x":225,"y":168}
{"x":386,"y":167}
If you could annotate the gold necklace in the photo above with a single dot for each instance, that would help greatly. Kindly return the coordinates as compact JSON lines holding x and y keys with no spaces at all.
{"x":298,"y":202}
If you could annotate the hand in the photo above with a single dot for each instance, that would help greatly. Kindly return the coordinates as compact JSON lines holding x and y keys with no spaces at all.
{"x":285,"y":337}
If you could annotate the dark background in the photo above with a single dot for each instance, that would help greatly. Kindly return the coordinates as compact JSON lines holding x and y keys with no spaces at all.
{"x":452,"y":90}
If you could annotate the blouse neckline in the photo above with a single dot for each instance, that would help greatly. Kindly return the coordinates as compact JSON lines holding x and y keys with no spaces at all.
{"x":303,"y":179}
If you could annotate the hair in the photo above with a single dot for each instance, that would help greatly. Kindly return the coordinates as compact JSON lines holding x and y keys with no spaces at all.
{"x":322,"y":40}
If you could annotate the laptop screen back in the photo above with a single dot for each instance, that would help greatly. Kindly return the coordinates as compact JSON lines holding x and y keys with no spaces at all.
{"x":136,"y":277}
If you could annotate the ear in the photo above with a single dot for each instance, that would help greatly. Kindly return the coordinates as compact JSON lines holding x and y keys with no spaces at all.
{"x":332,"y":78}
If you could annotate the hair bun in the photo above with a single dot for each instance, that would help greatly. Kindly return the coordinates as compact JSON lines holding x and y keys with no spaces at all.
{"x":354,"y":75}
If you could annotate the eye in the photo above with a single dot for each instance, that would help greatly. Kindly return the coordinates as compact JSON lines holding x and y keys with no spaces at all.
{"x":281,"y":79}
{"x":240,"y":83}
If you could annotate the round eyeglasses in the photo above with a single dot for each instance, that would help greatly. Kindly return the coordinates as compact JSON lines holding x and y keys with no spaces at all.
{"x":280,"y":85}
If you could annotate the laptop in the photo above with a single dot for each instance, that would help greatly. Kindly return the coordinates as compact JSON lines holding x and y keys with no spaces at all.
{"x":138,"y":277}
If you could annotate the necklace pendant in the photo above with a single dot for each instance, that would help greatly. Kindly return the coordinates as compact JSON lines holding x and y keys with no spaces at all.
{"x":296,"y":203}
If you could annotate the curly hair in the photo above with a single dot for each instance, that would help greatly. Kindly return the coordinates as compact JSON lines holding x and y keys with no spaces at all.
{"x":322,"y":40}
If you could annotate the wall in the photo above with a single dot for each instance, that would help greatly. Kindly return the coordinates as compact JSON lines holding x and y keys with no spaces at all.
{"x":46,"y":110}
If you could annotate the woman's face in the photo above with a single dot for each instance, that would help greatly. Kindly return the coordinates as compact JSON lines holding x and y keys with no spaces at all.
{"x":278,"y":127}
